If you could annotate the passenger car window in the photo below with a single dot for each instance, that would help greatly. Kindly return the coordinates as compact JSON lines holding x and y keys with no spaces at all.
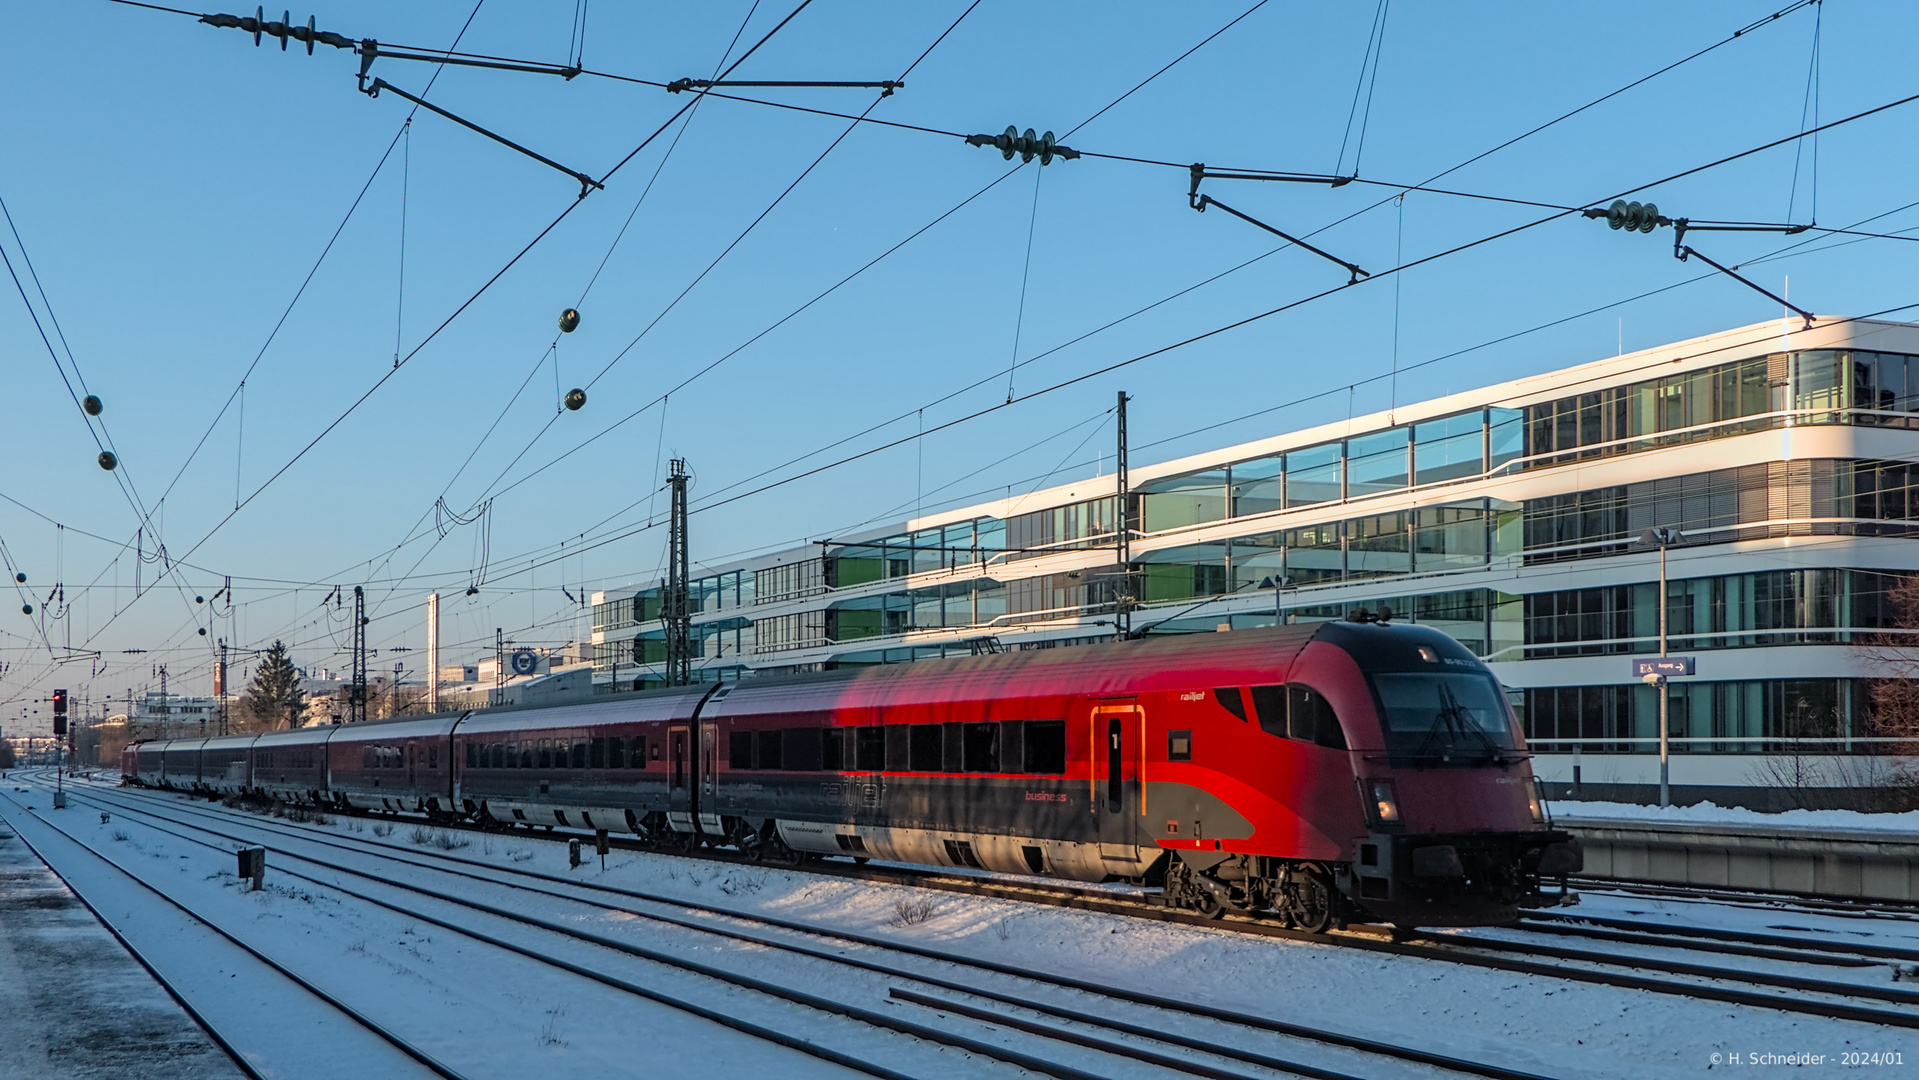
{"x":927,"y":752}
{"x":1046,"y":747}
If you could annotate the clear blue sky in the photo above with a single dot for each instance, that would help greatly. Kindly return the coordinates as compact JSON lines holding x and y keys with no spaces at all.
{"x":173,"y":186}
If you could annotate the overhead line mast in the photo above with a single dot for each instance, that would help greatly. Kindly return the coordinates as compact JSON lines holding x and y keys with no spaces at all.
{"x":678,"y":611}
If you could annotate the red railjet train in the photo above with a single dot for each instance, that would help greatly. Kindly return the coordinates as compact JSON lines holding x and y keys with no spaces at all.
{"x":1341,"y":771}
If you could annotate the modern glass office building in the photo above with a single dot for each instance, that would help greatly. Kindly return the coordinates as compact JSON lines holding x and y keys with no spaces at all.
{"x":1514,"y":517}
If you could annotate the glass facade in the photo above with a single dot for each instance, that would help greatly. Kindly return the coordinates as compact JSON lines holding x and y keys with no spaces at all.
{"x":1445,"y":562}
{"x":1749,"y":716}
{"x":1811,"y":497}
{"x":1775,"y":607}
{"x":1856,"y":386}
{"x":964,"y":543}
{"x":1451,"y":448}
{"x":1087,"y":524}
{"x":1472,"y":534}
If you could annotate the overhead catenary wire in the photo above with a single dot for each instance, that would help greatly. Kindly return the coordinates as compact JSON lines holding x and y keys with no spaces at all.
{"x":687,"y":113}
{"x":1809,"y":108}
{"x":317,"y":263}
{"x":1369,"y":60}
{"x":1560,"y":118}
{"x":1733,"y":157}
{"x":1135,"y":88}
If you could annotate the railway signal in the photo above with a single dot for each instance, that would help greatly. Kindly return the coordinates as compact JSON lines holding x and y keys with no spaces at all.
{"x":1027,"y":146}
{"x":59,"y":712}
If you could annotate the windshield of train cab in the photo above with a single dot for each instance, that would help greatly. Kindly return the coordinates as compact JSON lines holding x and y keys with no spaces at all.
{"x":1444,"y":717}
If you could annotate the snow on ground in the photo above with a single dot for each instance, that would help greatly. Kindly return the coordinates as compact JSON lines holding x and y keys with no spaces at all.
{"x":1546,"y":1026}
{"x":73,"y":1004}
{"x":1707,"y":813}
{"x":486,"y":1013}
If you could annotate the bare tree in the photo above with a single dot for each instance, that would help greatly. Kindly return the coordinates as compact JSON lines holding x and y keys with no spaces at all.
{"x":1892,"y":703}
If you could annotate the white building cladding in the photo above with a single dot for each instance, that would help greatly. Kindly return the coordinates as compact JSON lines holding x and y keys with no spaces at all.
{"x":1507,"y":516}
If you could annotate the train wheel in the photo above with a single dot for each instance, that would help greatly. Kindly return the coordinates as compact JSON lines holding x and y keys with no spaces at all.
{"x":1312,"y":902}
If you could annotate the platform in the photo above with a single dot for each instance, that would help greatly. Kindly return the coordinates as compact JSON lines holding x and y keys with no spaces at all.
{"x":74,"y":1004}
{"x":1853,"y":864}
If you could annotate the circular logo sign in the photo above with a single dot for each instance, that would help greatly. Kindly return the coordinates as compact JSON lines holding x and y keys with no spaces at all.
{"x":524,"y":662}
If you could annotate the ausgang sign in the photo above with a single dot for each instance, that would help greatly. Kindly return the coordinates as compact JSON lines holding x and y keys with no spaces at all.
{"x":1643,"y":666}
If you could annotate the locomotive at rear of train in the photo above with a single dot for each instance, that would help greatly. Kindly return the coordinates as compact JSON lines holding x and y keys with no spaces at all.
{"x":1349,"y":770}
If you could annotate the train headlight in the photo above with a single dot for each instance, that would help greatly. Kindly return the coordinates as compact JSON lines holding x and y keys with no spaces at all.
{"x":1538,"y":809}
{"x":1384,"y":802}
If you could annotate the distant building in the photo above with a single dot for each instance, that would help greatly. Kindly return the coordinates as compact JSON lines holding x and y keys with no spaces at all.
{"x":1511,"y":517}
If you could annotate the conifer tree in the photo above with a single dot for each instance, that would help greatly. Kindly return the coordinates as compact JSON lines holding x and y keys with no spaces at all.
{"x":274,"y":697}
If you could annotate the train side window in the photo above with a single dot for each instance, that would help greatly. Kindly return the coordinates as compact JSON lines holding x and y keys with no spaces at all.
{"x":1229,"y":699}
{"x":739,"y":750}
{"x":1311,"y":719}
{"x":953,"y":754}
{"x":833,"y":749}
{"x":366,"y":758}
{"x":579,"y":753}
{"x":1012,"y":746}
{"x":1179,"y":745}
{"x":899,"y":757}
{"x":1046,"y":747}
{"x":472,"y":755}
{"x":800,"y":749}
{"x":527,"y":754}
{"x":869,"y":748}
{"x":927,"y":753}
{"x":770,"y":756}
{"x":980,"y":748}
{"x":1269,"y":702}
{"x":615,"y":752}
{"x":596,"y":754}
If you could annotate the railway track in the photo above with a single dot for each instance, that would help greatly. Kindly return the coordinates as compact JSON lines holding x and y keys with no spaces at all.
{"x":1836,"y":999}
{"x":193,"y":957}
{"x":1057,"y":1022}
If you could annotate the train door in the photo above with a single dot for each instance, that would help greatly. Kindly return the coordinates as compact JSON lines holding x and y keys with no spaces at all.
{"x":1114,"y":787}
{"x":680,"y":800}
{"x":709,"y":821}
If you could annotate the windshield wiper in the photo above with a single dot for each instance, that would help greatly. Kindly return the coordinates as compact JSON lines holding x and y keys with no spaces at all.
{"x":1455,"y":721}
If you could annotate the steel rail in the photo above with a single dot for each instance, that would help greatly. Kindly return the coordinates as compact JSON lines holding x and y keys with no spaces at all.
{"x":1885,"y":952}
{"x":374,"y":1026}
{"x":853,"y":1012}
{"x":1086,"y":899}
{"x":1083,"y":899}
{"x":174,"y":992}
{"x":1224,"y":1015}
